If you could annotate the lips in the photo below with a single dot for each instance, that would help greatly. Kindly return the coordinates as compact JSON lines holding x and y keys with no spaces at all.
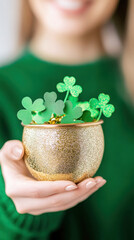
{"x":72,"y":5}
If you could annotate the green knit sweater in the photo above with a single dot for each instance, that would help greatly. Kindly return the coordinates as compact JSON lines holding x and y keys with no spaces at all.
{"x":109,"y":213}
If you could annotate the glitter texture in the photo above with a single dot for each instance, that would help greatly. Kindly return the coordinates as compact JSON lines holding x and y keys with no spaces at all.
{"x":63,"y":152}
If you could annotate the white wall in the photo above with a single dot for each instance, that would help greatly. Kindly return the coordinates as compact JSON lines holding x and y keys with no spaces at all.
{"x":9,"y":29}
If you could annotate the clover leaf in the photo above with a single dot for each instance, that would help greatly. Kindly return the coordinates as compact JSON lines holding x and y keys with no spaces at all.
{"x":25,"y":116}
{"x":94,"y":112}
{"x":86,"y":106}
{"x":74,"y":100}
{"x":102,"y":103}
{"x":86,"y":117}
{"x":71,"y":114}
{"x":83,"y":105}
{"x":55,"y":111}
{"x":52,"y":106}
{"x":31,"y":111}
{"x":68,"y":86}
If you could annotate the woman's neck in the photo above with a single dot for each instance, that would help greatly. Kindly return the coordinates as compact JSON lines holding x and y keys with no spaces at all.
{"x":67,"y":49}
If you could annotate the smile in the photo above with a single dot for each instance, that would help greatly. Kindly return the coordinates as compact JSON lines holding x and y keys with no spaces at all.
{"x":72,"y":6}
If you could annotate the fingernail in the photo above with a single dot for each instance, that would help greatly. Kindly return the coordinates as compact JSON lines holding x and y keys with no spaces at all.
{"x":70,"y":188}
{"x":98,"y":180}
{"x":90,"y":184}
{"x":101,"y":182}
{"x":17,"y":152}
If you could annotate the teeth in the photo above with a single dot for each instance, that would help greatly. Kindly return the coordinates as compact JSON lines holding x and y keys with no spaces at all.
{"x":70,"y":5}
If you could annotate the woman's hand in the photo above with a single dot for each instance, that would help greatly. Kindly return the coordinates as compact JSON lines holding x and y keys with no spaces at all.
{"x":37,"y":197}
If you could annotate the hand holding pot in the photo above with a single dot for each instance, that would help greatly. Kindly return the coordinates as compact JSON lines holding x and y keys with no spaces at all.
{"x":37,"y":197}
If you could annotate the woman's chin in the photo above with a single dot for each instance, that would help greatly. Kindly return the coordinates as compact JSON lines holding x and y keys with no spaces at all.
{"x":69,"y":29}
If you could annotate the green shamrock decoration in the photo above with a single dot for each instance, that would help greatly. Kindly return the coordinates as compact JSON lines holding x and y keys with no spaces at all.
{"x":68,"y":86}
{"x":86,"y":106}
{"x":94,"y":112}
{"x":31,"y":111}
{"x":52,"y":111}
{"x":86,"y":117}
{"x":71,"y":114}
{"x":102,"y":103}
{"x":83,"y":105}
{"x":52,"y":106}
{"x":74,"y":100}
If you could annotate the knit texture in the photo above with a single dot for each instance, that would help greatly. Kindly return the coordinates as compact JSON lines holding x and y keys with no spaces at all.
{"x":108,"y":214}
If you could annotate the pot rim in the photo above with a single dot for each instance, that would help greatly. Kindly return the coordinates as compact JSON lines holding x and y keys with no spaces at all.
{"x":85,"y":124}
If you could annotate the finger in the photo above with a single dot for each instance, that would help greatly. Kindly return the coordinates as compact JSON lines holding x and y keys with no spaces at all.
{"x":99,"y":183}
{"x":52,"y":202}
{"x":83,"y":197}
{"x":12,"y":150}
{"x":89,"y":181}
{"x":28,"y":188}
{"x":71,"y":203}
{"x":37,"y":189}
{"x":20,"y":185}
{"x":88,"y":187}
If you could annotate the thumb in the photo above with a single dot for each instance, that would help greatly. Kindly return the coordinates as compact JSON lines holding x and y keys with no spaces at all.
{"x":12,"y":150}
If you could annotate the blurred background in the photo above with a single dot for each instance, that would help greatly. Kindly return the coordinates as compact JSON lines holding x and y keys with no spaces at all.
{"x":10,"y":21}
{"x":11,"y":29}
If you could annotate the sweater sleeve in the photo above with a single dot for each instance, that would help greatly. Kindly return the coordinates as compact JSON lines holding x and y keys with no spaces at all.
{"x":2,"y":135}
{"x":12,"y":224}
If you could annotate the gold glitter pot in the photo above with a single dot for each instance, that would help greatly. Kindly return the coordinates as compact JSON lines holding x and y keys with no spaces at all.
{"x":63,"y":151}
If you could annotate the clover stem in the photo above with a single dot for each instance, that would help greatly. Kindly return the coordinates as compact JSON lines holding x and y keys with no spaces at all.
{"x":66,"y":97}
{"x":99,"y":115}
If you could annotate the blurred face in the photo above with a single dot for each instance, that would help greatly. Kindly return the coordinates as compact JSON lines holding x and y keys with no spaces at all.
{"x":72,"y":17}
